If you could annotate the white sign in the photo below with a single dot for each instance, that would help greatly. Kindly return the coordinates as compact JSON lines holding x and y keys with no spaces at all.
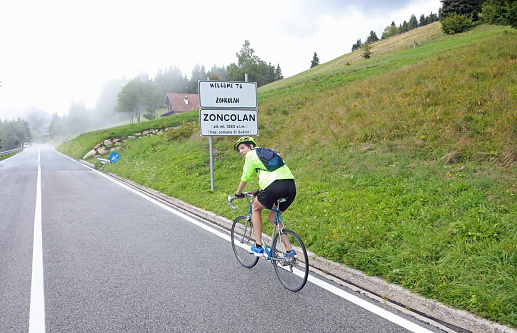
{"x":222,"y":95}
{"x":228,"y":122}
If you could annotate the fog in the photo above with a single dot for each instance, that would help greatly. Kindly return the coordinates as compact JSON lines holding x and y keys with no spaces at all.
{"x":71,"y":48}
{"x":80,"y":118}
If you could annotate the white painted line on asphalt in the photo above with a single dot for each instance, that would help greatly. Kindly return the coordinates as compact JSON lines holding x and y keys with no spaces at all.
{"x":169,"y":208}
{"x":322,"y":284}
{"x":327,"y":286}
{"x":158,"y":203}
{"x":37,"y":302}
{"x":369,"y":306}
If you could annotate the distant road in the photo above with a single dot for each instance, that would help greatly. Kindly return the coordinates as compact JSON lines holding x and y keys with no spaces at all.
{"x":112,"y":260}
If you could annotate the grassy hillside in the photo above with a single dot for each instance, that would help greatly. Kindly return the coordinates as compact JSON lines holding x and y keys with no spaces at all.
{"x":406,"y":165}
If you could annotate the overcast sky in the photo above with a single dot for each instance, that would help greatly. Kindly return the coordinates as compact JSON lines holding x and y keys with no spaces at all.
{"x":55,"y":52}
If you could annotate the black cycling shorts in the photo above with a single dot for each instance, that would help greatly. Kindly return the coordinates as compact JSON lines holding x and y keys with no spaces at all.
{"x":280,"y":188}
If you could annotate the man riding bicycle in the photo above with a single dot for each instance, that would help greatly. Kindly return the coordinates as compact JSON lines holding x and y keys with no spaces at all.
{"x":273,"y":185}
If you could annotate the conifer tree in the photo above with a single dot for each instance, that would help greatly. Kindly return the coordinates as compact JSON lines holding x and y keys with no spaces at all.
{"x":278,"y":73}
{"x":357,"y":45}
{"x":367,"y":50}
{"x":461,"y":7}
{"x":315,"y":60}
{"x":413,"y":23}
{"x":372,"y":37}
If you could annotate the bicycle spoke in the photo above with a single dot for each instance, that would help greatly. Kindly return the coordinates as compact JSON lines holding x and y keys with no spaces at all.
{"x":243,"y":237}
{"x":292,"y":272}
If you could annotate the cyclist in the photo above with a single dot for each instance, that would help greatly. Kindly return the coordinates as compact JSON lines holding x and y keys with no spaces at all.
{"x":273,"y":186}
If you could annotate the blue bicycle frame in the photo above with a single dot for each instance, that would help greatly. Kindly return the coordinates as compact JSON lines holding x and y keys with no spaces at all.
{"x":278,"y":220}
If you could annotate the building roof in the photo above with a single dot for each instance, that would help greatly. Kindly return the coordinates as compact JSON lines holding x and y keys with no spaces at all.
{"x":182,"y":102}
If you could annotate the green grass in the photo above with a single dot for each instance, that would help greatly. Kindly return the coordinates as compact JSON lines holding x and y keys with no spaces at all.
{"x":405,"y":164}
{"x":78,"y":147}
{"x":3,"y":157}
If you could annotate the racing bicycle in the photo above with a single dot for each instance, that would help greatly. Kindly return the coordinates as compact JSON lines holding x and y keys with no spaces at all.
{"x":292,"y":271}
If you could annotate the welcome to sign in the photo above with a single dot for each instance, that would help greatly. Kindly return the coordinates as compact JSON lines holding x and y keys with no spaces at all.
{"x":222,"y":95}
{"x":228,"y":108}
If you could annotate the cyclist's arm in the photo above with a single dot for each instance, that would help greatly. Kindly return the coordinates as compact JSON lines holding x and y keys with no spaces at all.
{"x":248,"y":170}
{"x":241,"y":187}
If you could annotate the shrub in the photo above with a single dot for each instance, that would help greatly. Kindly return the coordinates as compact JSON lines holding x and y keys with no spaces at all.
{"x":181,"y":132}
{"x":456,"y":23}
{"x":367,"y":50}
{"x":501,"y":12}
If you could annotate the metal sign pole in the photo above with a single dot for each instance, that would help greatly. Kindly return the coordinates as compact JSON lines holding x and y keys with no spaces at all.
{"x":211,"y":163}
{"x":226,"y":109}
{"x":211,"y":147}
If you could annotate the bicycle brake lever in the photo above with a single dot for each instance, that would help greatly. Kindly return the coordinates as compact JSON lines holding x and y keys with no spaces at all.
{"x":230,"y":199}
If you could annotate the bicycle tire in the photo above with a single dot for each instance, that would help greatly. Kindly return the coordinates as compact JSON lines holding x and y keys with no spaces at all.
{"x":243,"y":237}
{"x":292,"y":274}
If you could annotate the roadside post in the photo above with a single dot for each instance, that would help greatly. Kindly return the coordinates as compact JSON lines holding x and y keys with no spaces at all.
{"x":227,"y":108}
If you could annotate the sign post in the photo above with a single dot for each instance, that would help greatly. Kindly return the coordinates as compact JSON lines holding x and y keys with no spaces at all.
{"x":227,"y":109}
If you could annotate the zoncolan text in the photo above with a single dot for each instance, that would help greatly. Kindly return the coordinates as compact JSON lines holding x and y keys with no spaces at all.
{"x":230,"y":117}
{"x":231,"y":100}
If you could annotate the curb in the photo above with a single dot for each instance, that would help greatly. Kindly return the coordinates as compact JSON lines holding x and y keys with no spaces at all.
{"x":427,"y":310}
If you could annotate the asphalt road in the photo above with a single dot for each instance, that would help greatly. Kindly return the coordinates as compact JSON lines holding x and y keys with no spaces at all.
{"x":114,"y":261}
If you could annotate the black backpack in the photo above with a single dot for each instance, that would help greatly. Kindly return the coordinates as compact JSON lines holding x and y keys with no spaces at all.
{"x":269,"y":158}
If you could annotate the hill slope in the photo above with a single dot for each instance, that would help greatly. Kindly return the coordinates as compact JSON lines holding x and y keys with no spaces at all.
{"x":405,"y":165}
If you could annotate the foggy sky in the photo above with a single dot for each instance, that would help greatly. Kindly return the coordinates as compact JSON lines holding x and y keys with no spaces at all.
{"x":57,"y":52}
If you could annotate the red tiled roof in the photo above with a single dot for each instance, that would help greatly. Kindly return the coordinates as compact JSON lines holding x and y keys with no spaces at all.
{"x":182,"y":102}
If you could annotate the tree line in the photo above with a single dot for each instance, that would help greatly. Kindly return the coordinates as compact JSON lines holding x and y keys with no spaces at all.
{"x":458,"y":16}
{"x":13,"y":134}
{"x":142,"y":96}
{"x":393,"y":29}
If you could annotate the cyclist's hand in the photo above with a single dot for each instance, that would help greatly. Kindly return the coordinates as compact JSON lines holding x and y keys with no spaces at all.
{"x":256,"y":192}
{"x":239,"y":196}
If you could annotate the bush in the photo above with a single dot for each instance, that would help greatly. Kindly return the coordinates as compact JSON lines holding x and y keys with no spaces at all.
{"x":456,"y":23}
{"x":367,"y":50}
{"x":501,"y":12}
{"x":182,"y":132}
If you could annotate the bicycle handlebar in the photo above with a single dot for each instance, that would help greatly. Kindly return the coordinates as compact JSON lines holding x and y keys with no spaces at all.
{"x":230,"y":201}
{"x":246,"y":195}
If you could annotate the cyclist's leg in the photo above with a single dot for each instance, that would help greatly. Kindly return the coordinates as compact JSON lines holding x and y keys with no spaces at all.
{"x":265,"y":199}
{"x":271,"y":217}
{"x":288,"y":192}
{"x":256,"y":217}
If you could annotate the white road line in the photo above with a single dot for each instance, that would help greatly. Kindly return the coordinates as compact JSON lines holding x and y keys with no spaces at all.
{"x":327,"y":286}
{"x":37,"y":307}
{"x":369,"y":306}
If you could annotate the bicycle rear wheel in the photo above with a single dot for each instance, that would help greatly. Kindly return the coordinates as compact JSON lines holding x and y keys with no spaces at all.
{"x":292,"y":272}
{"x":243,"y":237}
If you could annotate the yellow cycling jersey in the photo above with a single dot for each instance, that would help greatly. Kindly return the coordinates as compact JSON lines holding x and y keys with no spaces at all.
{"x":253,"y":165}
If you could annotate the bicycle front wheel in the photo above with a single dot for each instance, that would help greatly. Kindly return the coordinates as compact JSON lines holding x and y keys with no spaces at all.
{"x":291,"y":271}
{"x":243,"y":237}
